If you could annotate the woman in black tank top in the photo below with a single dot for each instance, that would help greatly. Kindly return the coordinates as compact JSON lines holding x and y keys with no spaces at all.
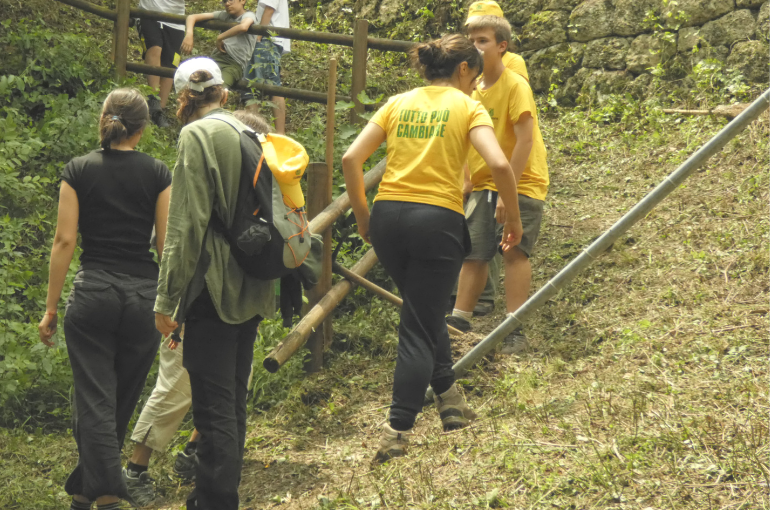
{"x":114,"y":196}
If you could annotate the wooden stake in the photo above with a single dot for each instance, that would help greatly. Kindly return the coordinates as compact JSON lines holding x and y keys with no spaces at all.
{"x":360,"y":52}
{"x":121,"y":37}
{"x":326,"y":275}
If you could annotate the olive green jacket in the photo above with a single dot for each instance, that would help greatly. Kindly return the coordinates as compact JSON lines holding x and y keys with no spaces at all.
{"x":206,"y":178}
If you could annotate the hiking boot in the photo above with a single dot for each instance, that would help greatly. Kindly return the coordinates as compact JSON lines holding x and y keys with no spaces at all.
{"x":141,"y":488}
{"x":453,"y":410}
{"x":159,"y":119}
{"x":483,"y":308}
{"x":456,"y":322}
{"x":514,"y":343}
{"x":185,"y":464}
{"x":393,"y":443}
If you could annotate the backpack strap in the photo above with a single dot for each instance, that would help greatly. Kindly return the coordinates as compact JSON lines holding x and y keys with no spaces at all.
{"x":227,"y":120}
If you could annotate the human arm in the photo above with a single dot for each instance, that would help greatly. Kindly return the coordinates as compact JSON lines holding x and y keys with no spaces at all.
{"x":484,"y":141}
{"x":161,"y":219}
{"x":192,"y":19}
{"x":64,"y":242}
{"x":353,"y":170}
{"x":240,"y":28}
{"x":522,"y":130}
{"x":267,"y":16}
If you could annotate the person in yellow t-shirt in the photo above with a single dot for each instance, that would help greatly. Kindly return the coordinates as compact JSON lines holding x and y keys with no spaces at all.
{"x":509,"y":100}
{"x":511,"y":60}
{"x":417,"y":225}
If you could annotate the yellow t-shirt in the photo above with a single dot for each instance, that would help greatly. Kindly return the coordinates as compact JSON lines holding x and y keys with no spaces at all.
{"x":515,"y":63}
{"x":506,"y":100}
{"x":428,"y":143}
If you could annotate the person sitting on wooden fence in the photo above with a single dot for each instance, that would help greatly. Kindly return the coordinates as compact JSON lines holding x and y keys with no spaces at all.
{"x":161,"y":46}
{"x":265,"y":65}
{"x":113,"y":196}
{"x":169,"y":402}
{"x":202,"y":285}
{"x":234,"y":46}
{"x":417,"y":224}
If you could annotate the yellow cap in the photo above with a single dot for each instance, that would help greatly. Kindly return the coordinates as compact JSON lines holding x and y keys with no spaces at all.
{"x":287,"y":160}
{"x":487,"y":8}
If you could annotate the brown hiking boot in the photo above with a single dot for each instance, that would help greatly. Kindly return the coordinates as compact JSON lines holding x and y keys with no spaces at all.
{"x":453,"y":410}
{"x":393,"y":443}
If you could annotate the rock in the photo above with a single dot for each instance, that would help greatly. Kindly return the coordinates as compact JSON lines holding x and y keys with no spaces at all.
{"x":365,"y":8}
{"x":648,"y":51}
{"x":687,"y":13}
{"x":630,"y":16}
{"x":763,"y":22}
{"x":389,"y":10}
{"x":560,"y":5}
{"x":554,"y":64}
{"x":750,"y":58}
{"x":518,"y":12}
{"x":544,"y":29}
{"x":607,"y":53}
{"x":708,"y":53}
{"x":748,"y":4}
{"x":591,"y":20}
{"x":599,"y":84}
{"x":688,"y":39}
{"x":733,"y":27}
{"x":641,"y":87}
{"x":567,"y":94}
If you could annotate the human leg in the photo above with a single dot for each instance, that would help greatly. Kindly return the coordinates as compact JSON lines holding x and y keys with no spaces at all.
{"x":152,"y":58}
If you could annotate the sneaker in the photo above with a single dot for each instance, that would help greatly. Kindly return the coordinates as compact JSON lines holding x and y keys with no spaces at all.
{"x":456,"y":322}
{"x":483,"y":308}
{"x":185,"y":465}
{"x":453,"y":410}
{"x":141,"y":488}
{"x":393,"y":443}
{"x":514,"y":343}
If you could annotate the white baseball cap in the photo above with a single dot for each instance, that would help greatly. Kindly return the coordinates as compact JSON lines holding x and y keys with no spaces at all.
{"x":188,"y":67}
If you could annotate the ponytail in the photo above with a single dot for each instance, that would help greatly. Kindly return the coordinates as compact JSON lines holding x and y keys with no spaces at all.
{"x":190,"y":100}
{"x":440,"y":58}
{"x":125,"y":113}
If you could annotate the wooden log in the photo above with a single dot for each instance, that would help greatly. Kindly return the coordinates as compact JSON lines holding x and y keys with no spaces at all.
{"x":121,"y":38}
{"x":297,"y":338}
{"x":360,"y":53}
{"x":342,"y":202}
{"x":729,"y":111}
{"x":102,"y":12}
{"x":376,"y":289}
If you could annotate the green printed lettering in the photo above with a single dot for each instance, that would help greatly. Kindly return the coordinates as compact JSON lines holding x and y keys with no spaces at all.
{"x":443,"y":127}
{"x":399,"y":130}
{"x":412,"y":131}
{"x":424,"y":117}
{"x":445,"y":117}
{"x":433,"y":116}
{"x":422,"y":132}
{"x":432,"y":131}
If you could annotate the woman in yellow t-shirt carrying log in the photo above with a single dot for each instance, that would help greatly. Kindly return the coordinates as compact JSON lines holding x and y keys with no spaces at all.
{"x":417,"y":224}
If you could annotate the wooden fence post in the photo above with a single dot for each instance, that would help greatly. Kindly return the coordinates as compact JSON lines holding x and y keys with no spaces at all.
{"x":326,"y":275}
{"x":121,"y":37}
{"x":360,"y":52}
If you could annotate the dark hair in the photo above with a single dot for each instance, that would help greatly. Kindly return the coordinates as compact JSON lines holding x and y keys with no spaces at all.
{"x":125,"y":112}
{"x":253,"y":120}
{"x":439,"y":58}
{"x":190,"y":100}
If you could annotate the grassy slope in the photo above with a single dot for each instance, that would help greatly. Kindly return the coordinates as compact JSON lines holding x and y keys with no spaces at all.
{"x":647,"y":387}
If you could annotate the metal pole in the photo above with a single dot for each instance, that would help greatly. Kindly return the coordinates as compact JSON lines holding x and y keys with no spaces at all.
{"x":595,"y":249}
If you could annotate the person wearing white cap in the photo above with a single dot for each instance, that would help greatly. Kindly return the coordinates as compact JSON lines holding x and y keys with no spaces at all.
{"x":202,"y":285}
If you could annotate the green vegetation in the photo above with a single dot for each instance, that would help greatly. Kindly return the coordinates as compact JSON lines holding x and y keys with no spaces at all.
{"x":646,"y":387}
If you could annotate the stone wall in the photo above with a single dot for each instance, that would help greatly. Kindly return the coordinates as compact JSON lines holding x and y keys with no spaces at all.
{"x":605,"y":46}
{"x":609,"y":46}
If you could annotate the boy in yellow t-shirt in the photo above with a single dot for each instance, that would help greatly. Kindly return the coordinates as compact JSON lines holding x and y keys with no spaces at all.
{"x":511,"y":105}
{"x":511,"y":60}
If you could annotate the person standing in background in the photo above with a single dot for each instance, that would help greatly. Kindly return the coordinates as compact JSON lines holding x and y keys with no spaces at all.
{"x":265,"y":66}
{"x":161,"y":43}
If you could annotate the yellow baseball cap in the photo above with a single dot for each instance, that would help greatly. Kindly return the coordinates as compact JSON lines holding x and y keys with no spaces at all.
{"x":287,"y":160}
{"x":484,"y":8}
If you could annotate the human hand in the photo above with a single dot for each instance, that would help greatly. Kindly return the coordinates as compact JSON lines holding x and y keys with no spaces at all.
{"x":363,"y":228}
{"x":221,"y":45}
{"x":172,"y":344}
{"x":512,"y":232}
{"x":47,"y":327}
{"x":187,"y":44}
{"x":165,"y":324}
{"x":467,"y":190}
{"x":500,"y":211}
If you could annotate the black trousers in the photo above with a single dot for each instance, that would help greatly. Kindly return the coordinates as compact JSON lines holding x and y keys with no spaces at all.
{"x":422,"y":248}
{"x":109,"y":327}
{"x":218,"y":358}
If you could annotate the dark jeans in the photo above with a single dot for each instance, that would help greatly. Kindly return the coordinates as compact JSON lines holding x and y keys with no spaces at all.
{"x":111,"y":339}
{"x":422,"y":248}
{"x":218,"y":358}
